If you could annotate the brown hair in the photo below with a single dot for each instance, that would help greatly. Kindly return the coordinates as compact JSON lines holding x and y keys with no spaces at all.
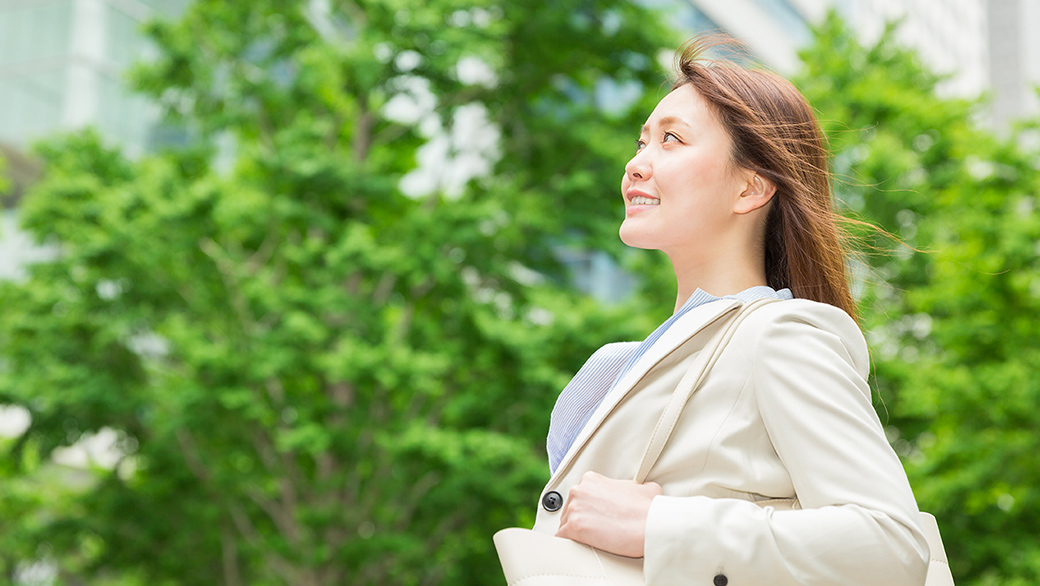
{"x":775,"y":133}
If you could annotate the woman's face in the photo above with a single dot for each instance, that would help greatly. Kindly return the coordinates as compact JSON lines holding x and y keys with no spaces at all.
{"x":680,"y":187}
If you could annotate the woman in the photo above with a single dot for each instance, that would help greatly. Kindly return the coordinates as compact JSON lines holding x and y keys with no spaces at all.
{"x":730,"y":181}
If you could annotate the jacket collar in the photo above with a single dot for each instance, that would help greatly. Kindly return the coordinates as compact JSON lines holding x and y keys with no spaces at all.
{"x":682,"y":330}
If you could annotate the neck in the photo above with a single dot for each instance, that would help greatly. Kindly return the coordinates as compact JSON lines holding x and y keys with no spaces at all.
{"x":718,"y":275}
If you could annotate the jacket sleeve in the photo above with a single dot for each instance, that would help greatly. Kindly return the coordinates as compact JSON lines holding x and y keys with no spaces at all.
{"x":858,"y":524}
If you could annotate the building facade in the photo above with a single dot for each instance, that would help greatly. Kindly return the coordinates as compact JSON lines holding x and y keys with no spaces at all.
{"x":1014,"y":59}
{"x":773,"y":30}
{"x":63,"y":65}
{"x":985,"y":47}
{"x":950,"y":36}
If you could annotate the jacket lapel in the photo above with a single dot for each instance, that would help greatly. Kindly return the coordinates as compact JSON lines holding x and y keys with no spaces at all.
{"x":679,"y":332}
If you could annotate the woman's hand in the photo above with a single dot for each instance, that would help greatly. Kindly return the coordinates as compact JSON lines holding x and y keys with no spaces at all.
{"x":608,"y":514}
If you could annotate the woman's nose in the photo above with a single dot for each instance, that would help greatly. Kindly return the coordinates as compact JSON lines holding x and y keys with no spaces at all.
{"x":637,"y":168}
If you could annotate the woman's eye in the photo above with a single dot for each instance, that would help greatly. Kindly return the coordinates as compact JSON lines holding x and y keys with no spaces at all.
{"x":640,"y":144}
{"x":669,"y":135}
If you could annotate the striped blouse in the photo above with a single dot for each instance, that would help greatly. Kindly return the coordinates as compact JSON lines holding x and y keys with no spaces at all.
{"x":609,"y":364}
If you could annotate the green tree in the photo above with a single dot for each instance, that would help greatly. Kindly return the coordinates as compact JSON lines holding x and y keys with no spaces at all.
{"x":316,"y":377}
{"x":952,"y":324}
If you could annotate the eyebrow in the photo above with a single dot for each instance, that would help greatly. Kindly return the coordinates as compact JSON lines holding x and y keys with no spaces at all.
{"x":666,"y":121}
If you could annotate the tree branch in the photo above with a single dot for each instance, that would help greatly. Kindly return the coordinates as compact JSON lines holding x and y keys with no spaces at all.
{"x":281,"y":518}
{"x":263,"y":253}
{"x":241,"y":520}
{"x":363,"y":130}
{"x":229,"y":556}
{"x":190,"y":451}
{"x":415,"y":494}
{"x":226,"y":269}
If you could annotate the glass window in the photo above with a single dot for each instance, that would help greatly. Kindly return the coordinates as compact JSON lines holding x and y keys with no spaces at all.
{"x":787,"y":18}
{"x":30,"y":105}
{"x":684,"y":14}
{"x":34,"y":31}
{"x":123,"y":116}
{"x":124,"y":43}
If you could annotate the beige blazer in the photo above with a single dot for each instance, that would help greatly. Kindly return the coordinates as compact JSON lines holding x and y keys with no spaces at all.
{"x":785,"y":412}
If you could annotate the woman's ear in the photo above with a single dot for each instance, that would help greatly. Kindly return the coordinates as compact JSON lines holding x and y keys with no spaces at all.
{"x":757,"y":193}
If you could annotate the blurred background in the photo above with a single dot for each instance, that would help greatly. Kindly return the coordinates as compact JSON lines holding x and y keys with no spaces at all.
{"x":288,"y":288}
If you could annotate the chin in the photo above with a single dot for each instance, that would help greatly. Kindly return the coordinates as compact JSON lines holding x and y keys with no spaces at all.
{"x":635,"y":238}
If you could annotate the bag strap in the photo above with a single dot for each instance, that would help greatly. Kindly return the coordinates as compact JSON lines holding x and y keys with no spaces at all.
{"x":689,"y":383}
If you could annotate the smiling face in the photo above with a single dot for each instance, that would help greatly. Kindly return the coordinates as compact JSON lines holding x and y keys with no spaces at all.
{"x":681,"y":188}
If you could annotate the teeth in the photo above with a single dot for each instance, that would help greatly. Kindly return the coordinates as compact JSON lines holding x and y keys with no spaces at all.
{"x":640,"y":200}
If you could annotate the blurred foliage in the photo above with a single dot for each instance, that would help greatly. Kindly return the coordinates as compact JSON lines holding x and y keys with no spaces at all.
{"x":951,"y":314}
{"x":5,"y":181}
{"x":314,"y":377}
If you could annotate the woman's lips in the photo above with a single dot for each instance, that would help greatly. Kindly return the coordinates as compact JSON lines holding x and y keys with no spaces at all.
{"x":637,"y":201}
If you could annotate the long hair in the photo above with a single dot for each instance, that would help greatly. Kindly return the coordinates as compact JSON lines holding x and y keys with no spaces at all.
{"x":775,"y":133}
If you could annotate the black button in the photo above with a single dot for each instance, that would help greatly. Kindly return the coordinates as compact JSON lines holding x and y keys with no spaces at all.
{"x":721,"y":580}
{"x":552,"y":501}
